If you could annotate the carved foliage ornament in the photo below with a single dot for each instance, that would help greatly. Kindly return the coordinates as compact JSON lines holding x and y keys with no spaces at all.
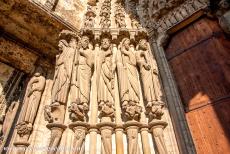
{"x":178,"y":14}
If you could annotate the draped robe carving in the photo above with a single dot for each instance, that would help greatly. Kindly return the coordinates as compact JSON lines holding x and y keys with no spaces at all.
{"x":55,"y":112}
{"x":62,"y":75}
{"x":34,"y":92}
{"x":105,"y":79}
{"x":128,"y":81}
{"x":83,"y":74}
{"x":146,"y":71}
{"x":105,"y":84}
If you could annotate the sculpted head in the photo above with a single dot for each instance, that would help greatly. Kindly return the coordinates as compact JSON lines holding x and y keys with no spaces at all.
{"x":105,"y":43}
{"x":73,"y":42}
{"x":62,"y":44}
{"x":85,"y":42}
{"x":126,"y":43}
{"x":143,"y":44}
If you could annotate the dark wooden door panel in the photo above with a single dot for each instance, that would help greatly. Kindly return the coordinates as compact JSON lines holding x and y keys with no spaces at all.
{"x":199,"y":56}
{"x":206,"y":125}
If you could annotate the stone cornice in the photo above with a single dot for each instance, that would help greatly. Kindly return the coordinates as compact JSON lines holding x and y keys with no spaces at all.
{"x":33,"y":25}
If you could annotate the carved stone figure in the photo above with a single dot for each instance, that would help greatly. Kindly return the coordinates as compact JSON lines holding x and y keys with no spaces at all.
{"x":135,"y":24}
{"x":105,"y":79}
{"x":146,"y":73}
{"x":183,"y":11}
{"x":47,"y":114}
{"x":32,"y":99}
{"x":89,"y":17}
{"x":120,"y":16}
{"x":62,"y":74}
{"x":62,"y":78}
{"x":78,"y":110}
{"x":128,"y":81}
{"x":154,"y":105}
{"x":178,"y":15}
{"x":172,"y":18}
{"x":155,"y":110}
{"x":55,"y":113}
{"x":84,"y":68}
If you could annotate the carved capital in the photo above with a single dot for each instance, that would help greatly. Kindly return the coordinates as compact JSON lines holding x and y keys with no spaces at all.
{"x":106,"y":111}
{"x":24,"y":128}
{"x":78,"y":111}
{"x":155,"y":110}
{"x":132,"y":110}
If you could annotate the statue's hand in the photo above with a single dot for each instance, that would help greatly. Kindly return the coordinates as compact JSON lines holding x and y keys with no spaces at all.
{"x":147,"y":67}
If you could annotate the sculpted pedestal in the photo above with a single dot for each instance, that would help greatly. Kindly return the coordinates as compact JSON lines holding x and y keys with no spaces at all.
{"x":157,"y":127}
{"x":106,"y":129}
{"x":80,"y":130}
{"x":21,"y":146}
{"x":56,"y":132}
{"x":132,"y":129}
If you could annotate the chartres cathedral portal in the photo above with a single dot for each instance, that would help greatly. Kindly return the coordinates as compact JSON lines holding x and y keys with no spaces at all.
{"x":114,"y":76}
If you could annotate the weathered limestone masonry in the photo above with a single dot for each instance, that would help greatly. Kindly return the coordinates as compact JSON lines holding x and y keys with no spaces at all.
{"x":91,"y":76}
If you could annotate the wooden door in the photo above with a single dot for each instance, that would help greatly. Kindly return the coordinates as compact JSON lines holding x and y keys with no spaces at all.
{"x":199,"y":56}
